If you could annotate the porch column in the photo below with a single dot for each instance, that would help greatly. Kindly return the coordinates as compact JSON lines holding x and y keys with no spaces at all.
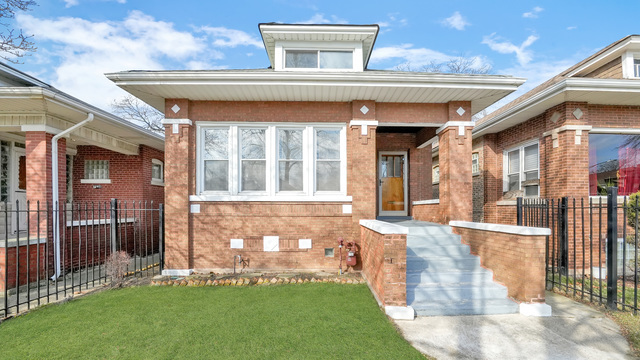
{"x":361,"y":179}
{"x":38,"y":165}
{"x":178,"y":174}
{"x":456,"y":188}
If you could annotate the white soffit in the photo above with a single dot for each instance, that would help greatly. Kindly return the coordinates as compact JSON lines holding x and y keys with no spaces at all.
{"x":590,"y":90}
{"x":29,"y":100}
{"x":266,"y":85}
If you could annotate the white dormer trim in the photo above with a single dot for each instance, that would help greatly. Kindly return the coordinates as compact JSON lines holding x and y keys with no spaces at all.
{"x":354,"y":46}
{"x":627,"y":64}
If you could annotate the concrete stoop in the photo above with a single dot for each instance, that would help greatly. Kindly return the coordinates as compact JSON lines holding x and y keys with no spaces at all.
{"x":443,"y":278}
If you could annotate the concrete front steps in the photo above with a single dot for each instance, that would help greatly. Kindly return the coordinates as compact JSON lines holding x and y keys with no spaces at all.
{"x":443,"y":278}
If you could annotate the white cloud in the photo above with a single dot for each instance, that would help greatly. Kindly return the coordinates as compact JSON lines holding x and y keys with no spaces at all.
{"x":320,"y":19}
{"x":70,"y":3}
{"x":225,"y":37}
{"x":533,"y":13}
{"x":523,"y":55}
{"x":84,"y":50}
{"x":456,"y":21}
{"x":571,"y":28}
{"x":406,"y":56}
{"x":393,"y":20}
{"x":536,"y":73}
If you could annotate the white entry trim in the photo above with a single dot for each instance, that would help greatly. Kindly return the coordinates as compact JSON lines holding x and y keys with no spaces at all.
{"x":405,"y":183}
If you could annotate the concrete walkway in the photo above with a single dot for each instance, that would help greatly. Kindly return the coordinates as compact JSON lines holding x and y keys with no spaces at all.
{"x":575,"y":331}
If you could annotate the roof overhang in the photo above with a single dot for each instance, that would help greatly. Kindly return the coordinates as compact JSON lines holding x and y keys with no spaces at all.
{"x":629,"y":43}
{"x":35,"y":107}
{"x":153,"y":87}
{"x":589,"y":90}
{"x":271,"y":33}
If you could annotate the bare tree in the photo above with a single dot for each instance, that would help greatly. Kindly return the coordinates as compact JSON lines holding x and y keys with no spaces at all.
{"x":457,"y":65}
{"x":14,"y":44}
{"x":136,"y":111}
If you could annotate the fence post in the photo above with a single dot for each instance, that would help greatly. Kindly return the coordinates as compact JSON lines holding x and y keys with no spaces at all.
{"x":161,"y":236}
{"x":612,"y":247}
{"x":519,"y":211}
{"x":114,"y":225}
{"x":563,"y":235}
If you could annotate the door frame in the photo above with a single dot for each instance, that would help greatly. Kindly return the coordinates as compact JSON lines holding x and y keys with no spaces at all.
{"x":15,"y":164}
{"x":405,"y":183}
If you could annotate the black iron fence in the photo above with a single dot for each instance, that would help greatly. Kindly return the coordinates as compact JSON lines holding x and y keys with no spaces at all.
{"x":592,"y":252}
{"x":41,"y":262}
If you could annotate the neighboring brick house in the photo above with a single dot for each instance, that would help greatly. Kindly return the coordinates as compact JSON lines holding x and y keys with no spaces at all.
{"x":105,"y":158}
{"x":572,"y":136}
{"x":276,"y":164}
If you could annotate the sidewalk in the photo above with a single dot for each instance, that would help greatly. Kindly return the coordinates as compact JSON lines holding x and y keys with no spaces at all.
{"x":575,"y":331}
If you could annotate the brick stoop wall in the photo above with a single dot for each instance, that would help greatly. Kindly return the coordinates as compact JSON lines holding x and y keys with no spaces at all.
{"x":384,"y":256}
{"x":515,"y":254}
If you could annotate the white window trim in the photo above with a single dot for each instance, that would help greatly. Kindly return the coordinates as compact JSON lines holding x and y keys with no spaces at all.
{"x":627,"y":64}
{"x":271,"y":193}
{"x":478,"y":170}
{"x":435,"y":181}
{"x":156,"y":181}
{"x":505,"y":164}
{"x":282,"y":46}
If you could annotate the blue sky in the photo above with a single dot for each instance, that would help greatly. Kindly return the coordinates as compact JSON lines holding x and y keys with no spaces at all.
{"x":80,"y":40}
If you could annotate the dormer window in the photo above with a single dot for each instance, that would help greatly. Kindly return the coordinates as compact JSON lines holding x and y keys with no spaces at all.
{"x":318,"y":48}
{"x":318,"y":59}
{"x":631,"y":65}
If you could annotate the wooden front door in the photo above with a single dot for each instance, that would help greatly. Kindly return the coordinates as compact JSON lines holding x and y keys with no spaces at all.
{"x":392,"y":194}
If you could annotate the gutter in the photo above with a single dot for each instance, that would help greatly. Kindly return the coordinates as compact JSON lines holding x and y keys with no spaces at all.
{"x":54,"y":190}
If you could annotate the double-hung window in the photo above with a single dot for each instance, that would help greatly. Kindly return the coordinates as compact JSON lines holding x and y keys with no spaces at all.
{"x":270,"y":162}
{"x":319,"y":59}
{"x":521,"y":169}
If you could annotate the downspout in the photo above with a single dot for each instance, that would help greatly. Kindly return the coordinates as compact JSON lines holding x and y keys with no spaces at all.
{"x":54,"y":191}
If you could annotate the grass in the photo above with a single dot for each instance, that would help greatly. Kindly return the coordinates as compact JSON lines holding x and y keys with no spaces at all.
{"x":310,"y":321}
{"x":630,"y":327}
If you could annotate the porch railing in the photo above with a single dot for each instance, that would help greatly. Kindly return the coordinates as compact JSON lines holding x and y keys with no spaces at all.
{"x":35,"y":270}
{"x":592,"y":252}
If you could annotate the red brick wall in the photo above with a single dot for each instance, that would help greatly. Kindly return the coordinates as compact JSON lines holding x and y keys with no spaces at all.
{"x":385,"y":266}
{"x":130,"y":176}
{"x":219,"y":222}
{"x":431,"y":213}
{"x":29,"y":267}
{"x":517,"y":261}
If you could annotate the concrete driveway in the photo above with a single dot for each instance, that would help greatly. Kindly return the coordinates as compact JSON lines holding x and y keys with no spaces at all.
{"x":575,"y":331}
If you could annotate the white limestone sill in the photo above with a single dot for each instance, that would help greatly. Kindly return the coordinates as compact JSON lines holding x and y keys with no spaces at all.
{"x":426,"y":202}
{"x":383,"y":227}
{"x":507,"y":229}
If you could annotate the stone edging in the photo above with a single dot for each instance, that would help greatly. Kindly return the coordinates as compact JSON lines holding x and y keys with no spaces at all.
{"x":252,"y":281}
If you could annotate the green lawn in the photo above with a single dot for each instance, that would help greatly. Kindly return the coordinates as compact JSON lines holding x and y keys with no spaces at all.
{"x":310,"y":321}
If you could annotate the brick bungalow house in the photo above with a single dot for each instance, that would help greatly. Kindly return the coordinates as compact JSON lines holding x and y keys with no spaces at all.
{"x":277,"y":164}
{"x":104,"y":157}
{"x":572,"y":136}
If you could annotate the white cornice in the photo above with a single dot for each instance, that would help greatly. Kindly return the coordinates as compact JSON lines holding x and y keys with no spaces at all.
{"x":364,"y":125}
{"x":176,"y":121}
{"x":460,"y":124}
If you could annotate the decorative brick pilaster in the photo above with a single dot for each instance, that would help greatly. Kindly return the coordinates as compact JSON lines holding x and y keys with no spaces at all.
{"x":455,"y":145}
{"x":39,"y":175}
{"x":178,"y":173}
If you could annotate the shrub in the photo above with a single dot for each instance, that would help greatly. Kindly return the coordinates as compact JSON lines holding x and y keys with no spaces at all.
{"x":116,"y":265}
{"x":632,"y":209}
